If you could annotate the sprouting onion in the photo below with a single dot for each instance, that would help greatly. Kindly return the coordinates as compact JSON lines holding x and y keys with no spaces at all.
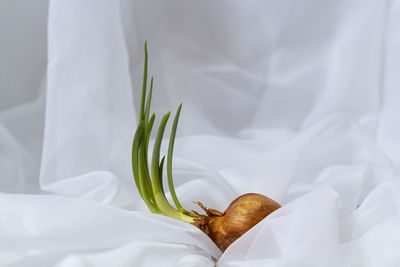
{"x":223,"y":228}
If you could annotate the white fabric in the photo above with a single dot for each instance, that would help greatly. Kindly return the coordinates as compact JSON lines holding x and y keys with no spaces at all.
{"x":297,"y":100}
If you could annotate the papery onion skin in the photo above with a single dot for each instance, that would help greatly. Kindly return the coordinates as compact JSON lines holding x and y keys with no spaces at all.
{"x":241,"y":215}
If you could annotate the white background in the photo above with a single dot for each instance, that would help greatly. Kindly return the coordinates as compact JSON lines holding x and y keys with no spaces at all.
{"x":294,"y":100}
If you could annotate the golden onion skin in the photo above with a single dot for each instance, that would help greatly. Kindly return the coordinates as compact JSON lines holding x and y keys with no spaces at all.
{"x":241,"y":215}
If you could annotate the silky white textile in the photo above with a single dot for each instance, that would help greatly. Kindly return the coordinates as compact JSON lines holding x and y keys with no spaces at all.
{"x":297,"y":100}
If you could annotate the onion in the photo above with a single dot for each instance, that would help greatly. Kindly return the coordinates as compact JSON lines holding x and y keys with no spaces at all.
{"x":223,"y":228}
{"x":241,"y":215}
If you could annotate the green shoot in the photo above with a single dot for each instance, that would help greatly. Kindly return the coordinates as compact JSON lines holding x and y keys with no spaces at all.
{"x":169,"y":162}
{"x":144,"y":85}
{"x":149,"y":181}
{"x":135,"y":151}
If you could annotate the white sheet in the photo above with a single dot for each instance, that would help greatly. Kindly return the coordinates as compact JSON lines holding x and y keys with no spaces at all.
{"x":294,"y":100}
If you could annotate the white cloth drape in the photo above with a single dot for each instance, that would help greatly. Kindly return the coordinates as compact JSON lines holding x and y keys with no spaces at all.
{"x":297,"y":100}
